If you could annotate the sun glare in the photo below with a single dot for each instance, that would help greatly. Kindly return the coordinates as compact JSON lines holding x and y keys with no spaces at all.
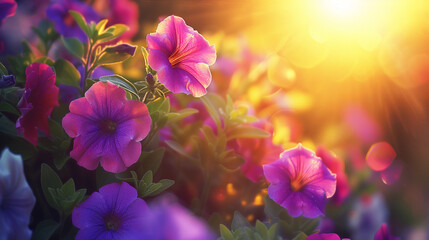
{"x":341,"y":9}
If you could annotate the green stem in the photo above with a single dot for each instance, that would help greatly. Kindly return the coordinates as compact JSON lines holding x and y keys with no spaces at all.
{"x":205,"y":193}
{"x":88,"y":60}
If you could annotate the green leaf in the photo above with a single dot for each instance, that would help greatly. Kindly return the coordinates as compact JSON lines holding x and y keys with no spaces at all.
{"x":150,"y":161}
{"x":239,"y":221}
{"x":179,"y":149}
{"x":271,"y":235}
{"x":212,"y":108}
{"x":74,"y":46}
{"x":7,"y":126}
{"x":68,"y":188}
{"x":101,"y":25}
{"x":49,"y":179}
{"x":225,"y":233}
{"x":45,"y":230}
{"x":148,"y":177}
{"x":80,"y":195}
{"x":300,"y":236}
{"x":161,"y":105}
{"x":3,"y":70}
{"x":66,"y":73}
{"x":165,"y":183}
{"x":121,"y":82}
{"x":177,"y":116}
{"x":117,"y":30}
{"x":112,"y":58}
{"x":7,"y":107}
{"x":80,"y":20}
{"x":247,"y":132}
{"x":60,"y":159}
{"x":45,"y":60}
{"x":261,"y":228}
{"x":152,"y":188}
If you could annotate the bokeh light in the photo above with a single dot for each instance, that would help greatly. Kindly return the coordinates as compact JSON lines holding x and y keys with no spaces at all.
{"x":380,"y":156}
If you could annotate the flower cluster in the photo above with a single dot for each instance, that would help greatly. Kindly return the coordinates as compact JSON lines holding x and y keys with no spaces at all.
{"x":129,"y":129}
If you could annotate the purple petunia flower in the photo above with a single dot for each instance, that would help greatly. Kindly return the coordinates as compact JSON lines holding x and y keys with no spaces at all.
{"x":115,"y":212}
{"x":97,"y":73}
{"x":58,"y":13}
{"x":107,"y":128}
{"x":324,"y":236}
{"x":16,"y":198}
{"x":7,"y":9}
{"x":369,"y":212}
{"x":170,"y":221}
{"x":384,"y":234}
{"x":7,"y":81}
{"x":181,"y":56}
{"x":300,"y":182}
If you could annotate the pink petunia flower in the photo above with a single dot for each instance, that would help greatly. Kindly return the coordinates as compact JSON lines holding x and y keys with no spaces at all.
{"x":107,"y":128}
{"x":384,"y":234}
{"x":37,"y":102}
{"x":336,"y":166}
{"x":300,"y":182}
{"x":257,"y":152}
{"x":324,"y":236}
{"x":181,"y":56}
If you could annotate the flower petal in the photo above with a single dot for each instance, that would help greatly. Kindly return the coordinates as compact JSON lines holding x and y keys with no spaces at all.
{"x":106,"y":99}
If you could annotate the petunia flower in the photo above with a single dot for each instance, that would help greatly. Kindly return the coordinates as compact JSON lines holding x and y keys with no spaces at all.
{"x":181,"y":56}
{"x":369,"y":212}
{"x":257,"y":152}
{"x":120,"y":12}
{"x":7,"y":81}
{"x":114,"y":212}
{"x":170,"y":221}
{"x":336,"y":166}
{"x":300,"y":182}
{"x":37,"y":102}
{"x":107,"y":128}
{"x":16,"y":198}
{"x":384,"y":234}
{"x":58,"y":13}
{"x":7,"y":9}
{"x":324,"y":236}
{"x":97,"y":73}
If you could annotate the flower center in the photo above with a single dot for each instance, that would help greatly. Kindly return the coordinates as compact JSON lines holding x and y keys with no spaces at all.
{"x":178,"y":56}
{"x":69,"y":20}
{"x":297,"y":184}
{"x":108,"y":126}
{"x":112,"y":222}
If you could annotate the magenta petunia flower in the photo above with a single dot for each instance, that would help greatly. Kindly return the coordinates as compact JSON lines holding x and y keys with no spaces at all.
{"x":324,"y":236}
{"x":384,"y":234}
{"x":16,"y":198}
{"x":336,"y":166}
{"x":107,"y":128}
{"x":181,"y":56}
{"x":257,"y":152}
{"x":7,"y":9}
{"x":37,"y":102}
{"x":114,"y":212}
{"x":300,"y":182}
{"x":58,"y":13}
